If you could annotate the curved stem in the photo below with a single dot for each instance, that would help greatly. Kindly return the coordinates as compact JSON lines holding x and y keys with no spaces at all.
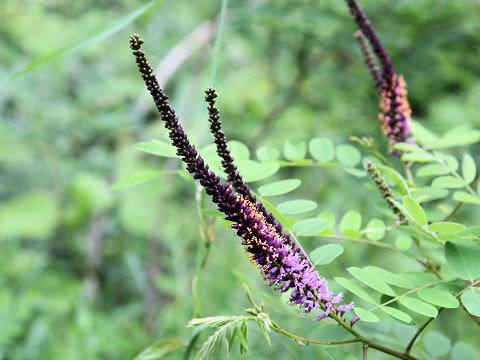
{"x":281,"y":330}
{"x":369,"y":342}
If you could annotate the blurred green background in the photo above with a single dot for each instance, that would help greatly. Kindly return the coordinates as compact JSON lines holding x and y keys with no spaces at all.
{"x":87,"y":272}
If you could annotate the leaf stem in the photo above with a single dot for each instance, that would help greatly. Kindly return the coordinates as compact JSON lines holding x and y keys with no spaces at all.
{"x":369,"y":342}
{"x":281,"y":330}
{"x":420,"y":330}
{"x":402,"y":295}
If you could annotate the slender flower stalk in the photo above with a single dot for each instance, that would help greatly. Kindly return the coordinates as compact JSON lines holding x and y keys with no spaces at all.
{"x":280,"y":262}
{"x":396,"y":113}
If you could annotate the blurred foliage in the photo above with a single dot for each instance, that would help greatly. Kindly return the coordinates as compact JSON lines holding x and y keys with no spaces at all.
{"x":88,"y":272}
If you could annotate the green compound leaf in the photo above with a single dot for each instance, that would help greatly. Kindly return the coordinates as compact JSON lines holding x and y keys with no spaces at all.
{"x":437,"y":344}
{"x":279,"y":187}
{"x":136,"y":179}
{"x":159,"y":349}
{"x":310,"y":227}
{"x":432,"y":170}
{"x":419,"y":157}
{"x":366,"y":315}
{"x":462,"y":351}
{"x":403,"y":243}
{"x":466,"y":197}
{"x":352,"y":220}
{"x":322,"y":149}
{"x":418,"y":306}
{"x":452,"y":236}
{"x":355,"y":289}
{"x":459,"y":136}
{"x":430,"y":193}
{"x":397,"y":314}
{"x":449,"y":182}
{"x":469,"y":168}
{"x":371,"y":280}
{"x":389,"y":277}
{"x":348,"y":155}
{"x":375,"y":230}
{"x":157,"y":147}
{"x":407,"y":147}
{"x":415,"y":210}
{"x":446,"y":227}
{"x":420,"y":278}
{"x":265,"y":153}
{"x":293,"y":152}
{"x":238,"y":150}
{"x":450,"y":160}
{"x":438,"y":297}
{"x":253,"y":170}
{"x":462,"y":258}
{"x":296,"y":206}
{"x":422,"y":134}
{"x":474,"y":230}
{"x":326,"y":254}
{"x":471,"y":301}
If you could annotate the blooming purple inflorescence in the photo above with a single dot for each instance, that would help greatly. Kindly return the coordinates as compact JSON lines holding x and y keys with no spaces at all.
{"x":395,"y":107}
{"x":281,"y":263}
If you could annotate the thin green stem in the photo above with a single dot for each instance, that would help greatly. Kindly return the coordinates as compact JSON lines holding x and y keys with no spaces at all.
{"x":281,"y":330}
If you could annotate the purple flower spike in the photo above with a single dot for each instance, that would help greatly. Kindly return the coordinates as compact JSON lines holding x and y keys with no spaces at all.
{"x":281,"y":263}
{"x":395,"y":107}
{"x":396,"y":112}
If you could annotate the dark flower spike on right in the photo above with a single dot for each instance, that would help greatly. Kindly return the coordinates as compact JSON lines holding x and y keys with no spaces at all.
{"x":396,"y":113}
{"x":280,"y":262}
